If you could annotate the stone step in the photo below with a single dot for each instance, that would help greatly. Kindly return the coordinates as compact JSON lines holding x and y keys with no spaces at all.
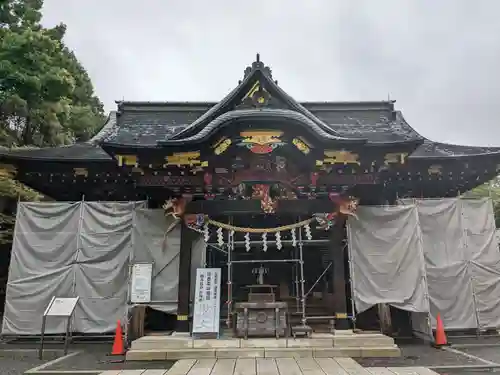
{"x":358,"y":340}
{"x":299,"y":352}
{"x":325,"y":340}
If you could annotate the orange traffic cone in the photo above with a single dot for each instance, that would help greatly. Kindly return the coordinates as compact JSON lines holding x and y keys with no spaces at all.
{"x":440,"y":334}
{"x":118,"y":348}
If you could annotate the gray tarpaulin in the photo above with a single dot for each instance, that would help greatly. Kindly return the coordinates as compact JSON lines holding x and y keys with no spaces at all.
{"x":152,"y":243}
{"x":386,"y":254}
{"x":85,"y":249}
{"x":460,"y":258}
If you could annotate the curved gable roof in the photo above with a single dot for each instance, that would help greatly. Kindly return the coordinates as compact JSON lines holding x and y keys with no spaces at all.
{"x":258,"y":72}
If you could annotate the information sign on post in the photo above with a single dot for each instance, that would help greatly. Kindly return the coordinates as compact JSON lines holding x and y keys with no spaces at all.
{"x":207,"y":301}
{"x":140,"y":289}
{"x":62,"y":307}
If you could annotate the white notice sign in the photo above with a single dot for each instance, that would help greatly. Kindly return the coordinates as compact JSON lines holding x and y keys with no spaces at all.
{"x":60,"y":306}
{"x":140,"y":290}
{"x":207,"y":301}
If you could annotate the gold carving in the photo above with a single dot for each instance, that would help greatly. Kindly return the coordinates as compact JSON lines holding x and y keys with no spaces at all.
{"x":253,"y":90}
{"x":128,"y":160}
{"x":261,"y":141}
{"x":340,"y":157}
{"x":221,"y":146}
{"x":435,"y":170}
{"x":186,"y":158}
{"x":395,"y":158}
{"x":81,"y":172}
{"x":301,"y":145}
{"x":261,"y":137}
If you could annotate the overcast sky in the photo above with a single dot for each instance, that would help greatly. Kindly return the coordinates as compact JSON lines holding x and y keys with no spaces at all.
{"x":439,"y":60}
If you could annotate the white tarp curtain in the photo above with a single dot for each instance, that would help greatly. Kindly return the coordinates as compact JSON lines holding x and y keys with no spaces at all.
{"x":387,"y":257}
{"x":459,"y":272}
{"x":84,"y":249}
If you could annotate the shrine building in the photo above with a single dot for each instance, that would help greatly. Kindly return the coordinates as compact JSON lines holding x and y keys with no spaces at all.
{"x":272,"y":172}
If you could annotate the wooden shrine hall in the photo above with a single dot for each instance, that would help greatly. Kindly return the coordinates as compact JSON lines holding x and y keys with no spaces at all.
{"x":274,"y":177}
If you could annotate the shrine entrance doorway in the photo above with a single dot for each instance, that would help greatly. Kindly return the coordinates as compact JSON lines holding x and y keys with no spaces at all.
{"x":290,"y":257}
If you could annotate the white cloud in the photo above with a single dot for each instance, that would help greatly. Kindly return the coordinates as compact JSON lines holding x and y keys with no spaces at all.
{"x":438,"y":59}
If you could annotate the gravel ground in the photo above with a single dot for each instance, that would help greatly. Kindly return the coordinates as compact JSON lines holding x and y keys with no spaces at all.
{"x":419,"y":355}
{"x":16,"y":362}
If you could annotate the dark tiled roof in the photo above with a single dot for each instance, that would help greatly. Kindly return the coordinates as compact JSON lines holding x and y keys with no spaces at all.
{"x":260,"y":73}
{"x":374,"y":125}
{"x":430,"y":149}
{"x":145,"y":124}
{"x":222,"y":120}
{"x":87,"y":151}
{"x":145,"y":127}
{"x":76,"y":152}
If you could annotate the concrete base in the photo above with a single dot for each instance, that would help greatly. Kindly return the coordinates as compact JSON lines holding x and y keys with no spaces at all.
{"x":320,"y":345}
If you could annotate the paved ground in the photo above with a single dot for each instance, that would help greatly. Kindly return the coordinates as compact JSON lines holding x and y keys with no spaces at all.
{"x":16,"y":358}
{"x":16,"y":362}
{"x":416,"y":353}
{"x":96,"y":357}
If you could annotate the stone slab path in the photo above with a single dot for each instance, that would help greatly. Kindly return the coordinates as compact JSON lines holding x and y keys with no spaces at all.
{"x":272,"y":366}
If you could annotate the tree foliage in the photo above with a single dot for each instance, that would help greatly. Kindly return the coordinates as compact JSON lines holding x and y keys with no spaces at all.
{"x":491,"y":190}
{"x":46,"y":96}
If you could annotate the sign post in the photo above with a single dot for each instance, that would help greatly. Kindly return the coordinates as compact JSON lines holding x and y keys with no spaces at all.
{"x":207,"y":301}
{"x":140,"y":288}
{"x":59,"y":307}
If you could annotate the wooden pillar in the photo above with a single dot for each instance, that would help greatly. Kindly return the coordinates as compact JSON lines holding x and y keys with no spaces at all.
{"x":337,"y":251}
{"x":187,"y":237}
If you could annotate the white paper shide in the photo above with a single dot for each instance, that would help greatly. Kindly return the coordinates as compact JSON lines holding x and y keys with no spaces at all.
{"x":207,"y":300}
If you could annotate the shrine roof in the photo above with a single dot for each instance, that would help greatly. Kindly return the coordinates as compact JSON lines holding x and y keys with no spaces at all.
{"x":437,"y":150}
{"x":70,"y":153}
{"x":145,"y":124}
{"x":85,"y":151}
{"x":140,"y":124}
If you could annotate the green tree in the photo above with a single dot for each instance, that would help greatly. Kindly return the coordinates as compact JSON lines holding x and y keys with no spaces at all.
{"x":492,"y":190}
{"x":20,"y":14}
{"x":46,"y":96}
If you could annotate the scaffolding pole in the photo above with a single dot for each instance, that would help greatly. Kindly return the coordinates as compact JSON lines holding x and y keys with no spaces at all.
{"x":267,"y":261}
{"x":319,"y":278}
{"x":302,"y":281}
{"x":284,"y":242}
{"x":295,"y":279}
{"x":230,"y":248}
{"x":351,"y":273}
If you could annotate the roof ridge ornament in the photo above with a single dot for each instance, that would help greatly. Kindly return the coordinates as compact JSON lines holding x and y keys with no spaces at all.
{"x":258,"y":65}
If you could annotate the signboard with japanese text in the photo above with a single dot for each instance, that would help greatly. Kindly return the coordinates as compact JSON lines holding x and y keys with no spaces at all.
{"x":207,"y":301}
{"x":140,"y":289}
{"x":60,"y":306}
